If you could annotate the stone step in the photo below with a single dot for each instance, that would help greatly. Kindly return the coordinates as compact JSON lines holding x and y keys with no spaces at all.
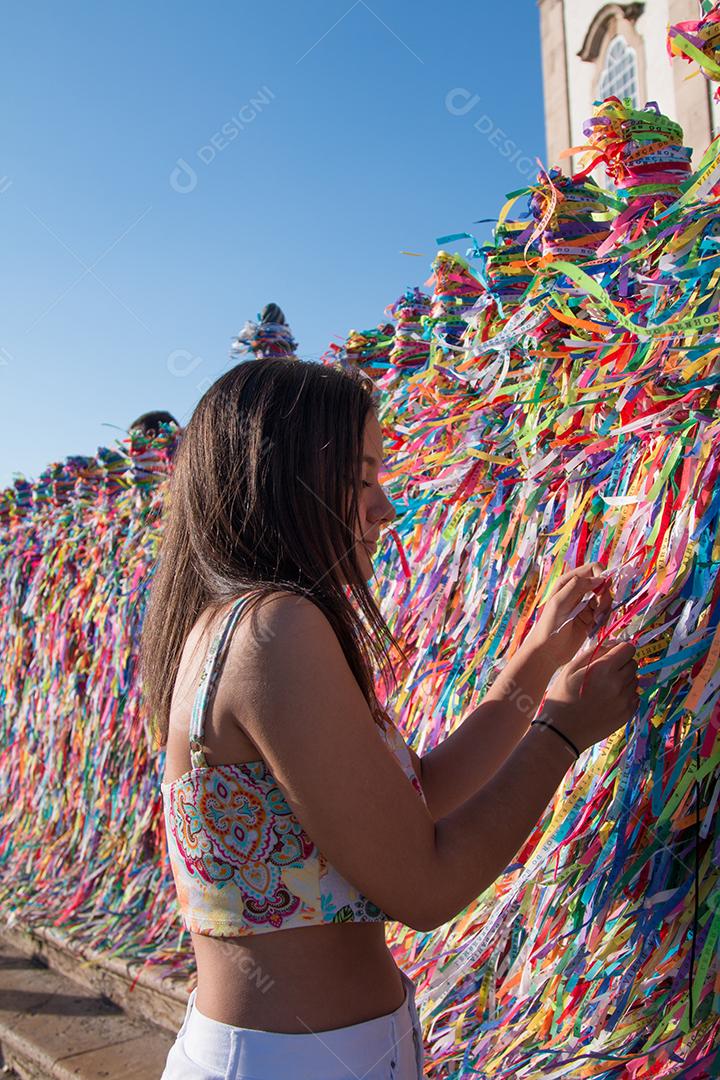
{"x":53,"y":1028}
{"x":140,"y":992}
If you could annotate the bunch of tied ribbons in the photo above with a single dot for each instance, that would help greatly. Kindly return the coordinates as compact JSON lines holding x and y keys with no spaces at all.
{"x":150,"y":455}
{"x":410,"y":348}
{"x":572,"y":216}
{"x":699,"y":42}
{"x":269,"y":336}
{"x":643,"y":154}
{"x":455,"y":292}
{"x":569,"y":420}
{"x":370,"y":349}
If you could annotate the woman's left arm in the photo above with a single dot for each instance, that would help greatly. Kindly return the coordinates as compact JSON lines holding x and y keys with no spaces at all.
{"x":455,"y":769}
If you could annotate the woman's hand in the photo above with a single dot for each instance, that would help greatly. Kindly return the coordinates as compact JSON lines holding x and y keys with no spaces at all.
{"x":561,"y":629}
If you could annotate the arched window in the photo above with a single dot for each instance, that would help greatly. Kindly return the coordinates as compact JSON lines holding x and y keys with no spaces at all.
{"x":619,"y":77}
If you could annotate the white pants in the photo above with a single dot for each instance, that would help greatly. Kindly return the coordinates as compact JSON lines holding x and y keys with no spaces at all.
{"x":386,"y":1048}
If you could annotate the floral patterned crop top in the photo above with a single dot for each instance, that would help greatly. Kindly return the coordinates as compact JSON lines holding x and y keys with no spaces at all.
{"x":241,"y":861}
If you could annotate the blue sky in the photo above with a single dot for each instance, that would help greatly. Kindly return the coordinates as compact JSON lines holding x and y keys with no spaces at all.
{"x":167,"y":169}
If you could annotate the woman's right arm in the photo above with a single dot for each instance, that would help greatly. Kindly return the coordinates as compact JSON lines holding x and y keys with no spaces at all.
{"x":303,"y":709}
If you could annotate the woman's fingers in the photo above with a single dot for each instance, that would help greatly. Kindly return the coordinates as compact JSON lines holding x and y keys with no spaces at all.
{"x":604,"y":597}
{"x":601,"y":606}
{"x":624,"y":652}
{"x":588,"y":613}
{"x":586,"y":570}
{"x":573,"y":591}
{"x":630,"y":669}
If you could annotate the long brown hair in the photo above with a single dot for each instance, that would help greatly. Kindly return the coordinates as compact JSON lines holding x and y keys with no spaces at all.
{"x":263,"y":496}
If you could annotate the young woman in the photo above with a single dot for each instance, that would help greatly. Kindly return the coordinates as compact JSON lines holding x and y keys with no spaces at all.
{"x":298,"y":821}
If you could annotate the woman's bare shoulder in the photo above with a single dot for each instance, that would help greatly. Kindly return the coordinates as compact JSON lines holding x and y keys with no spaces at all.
{"x":277,"y":644}
{"x":279,"y":616}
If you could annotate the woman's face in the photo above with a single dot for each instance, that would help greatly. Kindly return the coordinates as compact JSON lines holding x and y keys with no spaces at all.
{"x":374,"y":508}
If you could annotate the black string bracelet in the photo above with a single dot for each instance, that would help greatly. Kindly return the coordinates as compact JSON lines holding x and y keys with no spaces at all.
{"x":552,"y":727}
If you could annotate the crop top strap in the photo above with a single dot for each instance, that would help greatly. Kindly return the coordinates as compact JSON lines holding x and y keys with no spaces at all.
{"x":208,"y":682}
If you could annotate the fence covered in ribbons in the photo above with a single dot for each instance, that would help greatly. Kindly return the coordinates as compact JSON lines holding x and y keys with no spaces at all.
{"x":552,"y":401}
{"x":567,"y":412}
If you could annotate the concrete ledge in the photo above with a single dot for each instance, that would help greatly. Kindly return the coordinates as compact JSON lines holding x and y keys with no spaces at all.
{"x":51,"y":1028}
{"x":160,"y":1000}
